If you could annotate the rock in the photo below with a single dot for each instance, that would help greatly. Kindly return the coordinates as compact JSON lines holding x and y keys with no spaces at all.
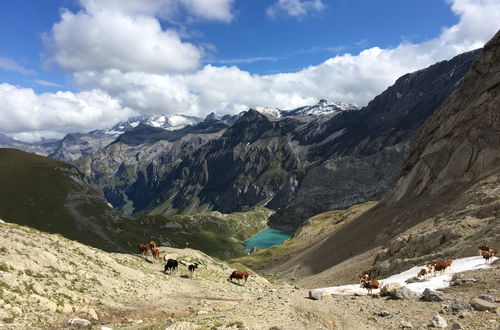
{"x":388,"y":288}
{"x":464,"y":315}
{"x":415,"y":279}
{"x":457,"y":326}
{"x":459,"y":305}
{"x":106,"y":328}
{"x":79,"y":322}
{"x":67,"y":308}
{"x":483,"y":305}
{"x":404,"y":293}
{"x":315,"y":294}
{"x":459,"y":279}
{"x":202,"y":312}
{"x":92,"y":313}
{"x":37,"y":288}
{"x":384,"y":313}
{"x":17,"y":310}
{"x":405,"y":325}
{"x":431,"y":295}
{"x":487,"y":298}
{"x":438,"y":322}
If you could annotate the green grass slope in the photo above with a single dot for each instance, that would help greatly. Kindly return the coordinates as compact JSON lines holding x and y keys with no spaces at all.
{"x":54,"y":197}
{"x":219,"y":235}
{"x":313,"y":231}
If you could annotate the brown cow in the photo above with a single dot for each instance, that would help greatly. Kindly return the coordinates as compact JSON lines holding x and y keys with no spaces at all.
{"x":364,"y":277}
{"x":483,"y":248}
{"x":143,"y":249}
{"x":370,"y":285}
{"x":239,"y":275}
{"x":152,"y":245}
{"x":487,"y":255}
{"x":156,"y":253}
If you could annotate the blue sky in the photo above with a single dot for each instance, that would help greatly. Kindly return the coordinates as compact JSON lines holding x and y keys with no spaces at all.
{"x":76,"y":65}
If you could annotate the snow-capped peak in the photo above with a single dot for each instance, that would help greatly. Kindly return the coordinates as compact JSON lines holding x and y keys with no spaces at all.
{"x":323,"y":107}
{"x":267,"y":111}
{"x":168,"y":122}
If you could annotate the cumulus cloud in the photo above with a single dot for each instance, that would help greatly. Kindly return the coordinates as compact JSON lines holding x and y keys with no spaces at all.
{"x":355,"y":78}
{"x":109,"y":39}
{"x":9,"y":65}
{"x":25,"y":114}
{"x":121,"y":76}
{"x":294,"y":8}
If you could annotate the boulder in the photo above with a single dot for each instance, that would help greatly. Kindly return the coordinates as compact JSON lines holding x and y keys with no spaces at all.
{"x":438,"y":322}
{"x":388,"y":288}
{"x":404,"y":293}
{"x":458,"y":305}
{"x":405,"y":325}
{"x":415,"y":279}
{"x":384,"y":313}
{"x":457,"y":326}
{"x":315,"y":294}
{"x":487,"y":298}
{"x":483,"y":305}
{"x":431,"y":295}
{"x":459,"y":279}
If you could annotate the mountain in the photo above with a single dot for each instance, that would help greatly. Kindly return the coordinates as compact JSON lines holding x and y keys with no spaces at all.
{"x":445,"y":202}
{"x":323,"y":107}
{"x":55,"y":197}
{"x":75,"y":145}
{"x":300,"y":164}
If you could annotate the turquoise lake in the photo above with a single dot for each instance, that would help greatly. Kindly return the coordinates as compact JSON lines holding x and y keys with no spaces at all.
{"x":267,"y":238}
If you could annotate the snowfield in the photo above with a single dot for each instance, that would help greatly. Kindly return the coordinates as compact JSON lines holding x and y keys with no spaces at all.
{"x":434,"y":282}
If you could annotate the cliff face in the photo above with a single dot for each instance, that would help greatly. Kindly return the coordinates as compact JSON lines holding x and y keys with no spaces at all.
{"x":447,"y":199}
{"x":356,"y":156}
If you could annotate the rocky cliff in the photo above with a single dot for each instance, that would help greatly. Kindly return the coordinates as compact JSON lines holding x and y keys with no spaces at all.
{"x":447,"y":201}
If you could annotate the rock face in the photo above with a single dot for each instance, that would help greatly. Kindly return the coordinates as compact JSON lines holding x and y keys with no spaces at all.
{"x":447,"y":197}
{"x":298,"y":163}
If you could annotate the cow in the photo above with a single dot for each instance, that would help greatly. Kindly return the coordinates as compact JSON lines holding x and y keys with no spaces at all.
{"x":422,"y":273}
{"x":143,"y":249}
{"x":192,"y":267}
{"x":370,"y":285}
{"x":171,"y":265}
{"x":156,"y":253}
{"x":239,"y":275}
{"x":487,"y":255}
{"x":440,"y":265}
{"x":152,"y":245}
{"x":483,"y":248}
{"x":364,"y":277}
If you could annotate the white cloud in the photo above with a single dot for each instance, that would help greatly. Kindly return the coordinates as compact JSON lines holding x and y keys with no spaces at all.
{"x":217,"y":10}
{"x":294,"y":8}
{"x":123,"y":75}
{"x":23,"y":113}
{"x":10,"y":65}
{"x":46,"y":83}
{"x":349,"y":77}
{"x":112,"y":40}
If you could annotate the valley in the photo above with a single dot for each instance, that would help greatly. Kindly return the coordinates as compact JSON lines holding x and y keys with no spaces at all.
{"x":321,"y":215}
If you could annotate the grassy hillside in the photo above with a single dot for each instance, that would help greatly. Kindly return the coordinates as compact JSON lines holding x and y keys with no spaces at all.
{"x":314,"y":231}
{"x":55,"y":197}
{"x":219,"y":235}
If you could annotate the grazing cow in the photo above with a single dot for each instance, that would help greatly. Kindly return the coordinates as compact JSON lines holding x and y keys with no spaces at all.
{"x":156,"y":253}
{"x":483,"y":248}
{"x":143,"y":249}
{"x":192,"y":267}
{"x":152,"y":245}
{"x":487,"y":255}
{"x":239,"y":275}
{"x":171,"y":266}
{"x":441,"y":265}
{"x":370,"y":285}
{"x":364,"y":277}
{"x":422,"y":273}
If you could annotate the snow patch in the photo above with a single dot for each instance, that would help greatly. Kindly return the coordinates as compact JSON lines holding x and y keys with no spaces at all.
{"x":435,"y":282}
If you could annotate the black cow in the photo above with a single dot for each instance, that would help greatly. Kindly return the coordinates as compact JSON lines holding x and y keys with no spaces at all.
{"x":171,"y":266}
{"x":192,"y":268}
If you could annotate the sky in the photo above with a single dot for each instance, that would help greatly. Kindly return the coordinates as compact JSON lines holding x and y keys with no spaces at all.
{"x":78,"y":65}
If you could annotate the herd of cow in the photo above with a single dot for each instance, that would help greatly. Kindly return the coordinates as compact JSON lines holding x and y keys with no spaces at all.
{"x":172,"y":265}
{"x":439,"y":265}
